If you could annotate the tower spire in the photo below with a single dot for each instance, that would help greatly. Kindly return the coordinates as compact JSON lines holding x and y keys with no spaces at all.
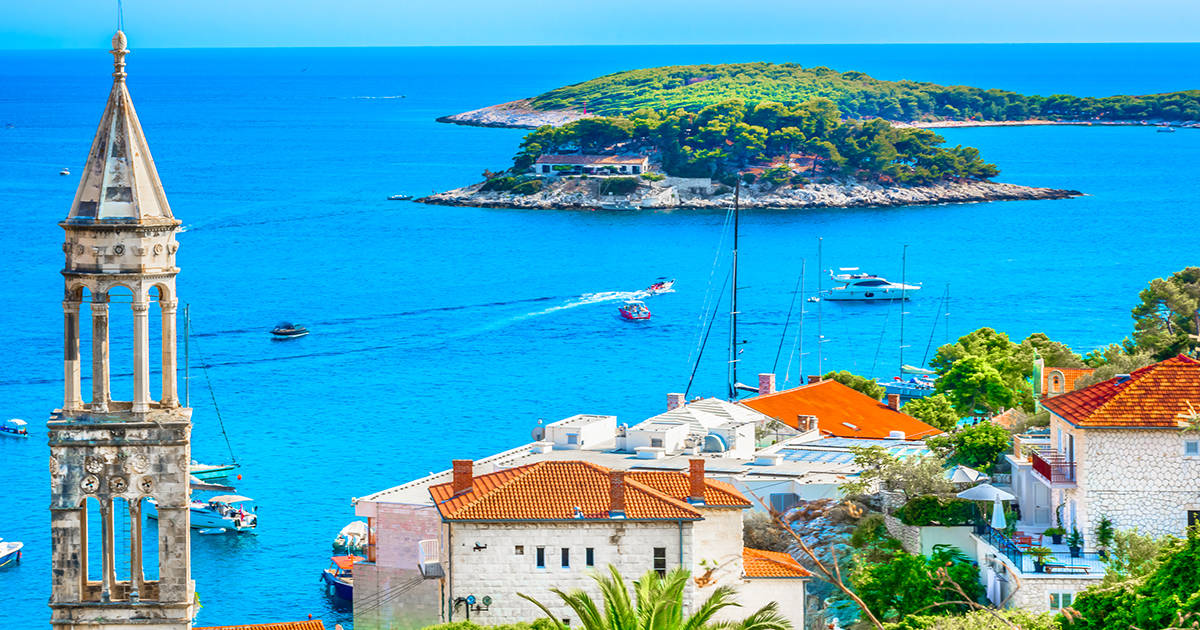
{"x":118,"y":52}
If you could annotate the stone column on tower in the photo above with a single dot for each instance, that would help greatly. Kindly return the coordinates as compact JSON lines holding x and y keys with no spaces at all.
{"x":170,"y":386}
{"x":72,"y":396}
{"x":141,"y":355}
{"x":101,"y":391}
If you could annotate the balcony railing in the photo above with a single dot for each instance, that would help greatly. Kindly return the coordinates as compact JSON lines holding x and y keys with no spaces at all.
{"x":427,"y":559}
{"x":1054,"y":467}
{"x":1060,"y":560}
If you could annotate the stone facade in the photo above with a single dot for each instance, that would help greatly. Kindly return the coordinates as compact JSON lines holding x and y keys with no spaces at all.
{"x":389,"y":589}
{"x":1137,"y":477}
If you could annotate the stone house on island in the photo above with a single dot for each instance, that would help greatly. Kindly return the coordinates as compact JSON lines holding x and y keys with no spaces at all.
{"x":585,"y":164}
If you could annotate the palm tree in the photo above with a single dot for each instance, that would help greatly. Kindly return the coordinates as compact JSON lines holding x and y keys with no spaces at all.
{"x":658,"y":605}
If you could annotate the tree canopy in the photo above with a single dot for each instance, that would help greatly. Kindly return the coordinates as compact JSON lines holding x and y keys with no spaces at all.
{"x":1167,"y":321}
{"x":984,"y":373}
{"x":935,"y":410}
{"x":977,"y":446}
{"x":861,"y":384}
{"x":694,"y":87}
{"x":906,"y":584}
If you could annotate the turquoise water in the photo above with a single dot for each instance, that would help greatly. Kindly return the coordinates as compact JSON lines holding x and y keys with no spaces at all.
{"x":448,"y":332}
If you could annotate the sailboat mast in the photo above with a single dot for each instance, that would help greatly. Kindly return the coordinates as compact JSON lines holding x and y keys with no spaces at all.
{"x":820,"y":301}
{"x":801,"y":337}
{"x":903,"y":300}
{"x":733,"y":306}
{"x":187,"y":362}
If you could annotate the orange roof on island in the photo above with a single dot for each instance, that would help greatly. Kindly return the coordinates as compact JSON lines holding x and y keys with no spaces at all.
{"x":759,"y":563}
{"x":841,"y":412}
{"x":1156,"y":396}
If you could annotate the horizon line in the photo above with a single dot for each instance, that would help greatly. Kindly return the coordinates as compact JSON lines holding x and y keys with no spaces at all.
{"x":616,"y":45}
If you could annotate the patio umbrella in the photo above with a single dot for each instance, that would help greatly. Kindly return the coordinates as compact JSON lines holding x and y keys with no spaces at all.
{"x":998,"y":520}
{"x":964,"y":474}
{"x":988,"y":492}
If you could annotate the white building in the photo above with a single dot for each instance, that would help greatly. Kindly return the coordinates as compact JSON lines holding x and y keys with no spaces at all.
{"x":584,"y":164}
{"x":1118,"y":449}
{"x":707,"y":426}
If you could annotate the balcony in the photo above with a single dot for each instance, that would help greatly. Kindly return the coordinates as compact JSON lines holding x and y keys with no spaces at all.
{"x":1053,"y":468}
{"x":1060,"y":561}
{"x":428,"y":559}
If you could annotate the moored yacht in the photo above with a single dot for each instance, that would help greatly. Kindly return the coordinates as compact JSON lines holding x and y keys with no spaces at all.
{"x":10,"y":552}
{"x":227,"y":511}
{"x":860,"y":286}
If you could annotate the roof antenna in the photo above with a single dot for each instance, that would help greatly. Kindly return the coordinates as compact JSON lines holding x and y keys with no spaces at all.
{"x":120,"y":16}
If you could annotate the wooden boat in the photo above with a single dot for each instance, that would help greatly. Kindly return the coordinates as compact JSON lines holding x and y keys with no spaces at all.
{"x":10,"y":552}
{"x":210,"y":472}
{"x":288,"y":330}
{"x":339,"y":577}
{"x":15,"y":427}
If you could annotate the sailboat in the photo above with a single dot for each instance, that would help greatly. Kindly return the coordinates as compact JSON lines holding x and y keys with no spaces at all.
{"x":203,"y":472}
{"x":920,"y":381}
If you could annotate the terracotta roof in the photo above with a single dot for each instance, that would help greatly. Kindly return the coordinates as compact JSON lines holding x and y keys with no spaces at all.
{"x":758,"y":563}
{"x":311,"y":624}
{"x":581,"y":158}
{"x":552,"y":490}
{"x":840,"y":411}
{"x":677,"y":485}
{"x":1070,"y":375}
{"x":1153,"y":396}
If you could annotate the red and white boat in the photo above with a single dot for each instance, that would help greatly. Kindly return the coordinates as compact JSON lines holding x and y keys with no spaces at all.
{"x":662,"y":286}
{"x":634,"y":310}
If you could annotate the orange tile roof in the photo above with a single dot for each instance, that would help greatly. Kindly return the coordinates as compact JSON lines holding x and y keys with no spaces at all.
{"x":551,"y":490}
{"x":1153,"y":396}
{"x":1070,"y":375}
{"x":758,"y":563}
{"x":834,"y":405}
{"x":678,"y":485}
{"x":311,"y":624}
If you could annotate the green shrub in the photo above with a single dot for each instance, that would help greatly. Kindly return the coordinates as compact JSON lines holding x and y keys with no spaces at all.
{"x":933,"y":510}
{"x":653,"y":177}
{"x":528,"y":187}
{"x":561,"y":168}
{"x":618,"y":185}
{"x":798,"y":180}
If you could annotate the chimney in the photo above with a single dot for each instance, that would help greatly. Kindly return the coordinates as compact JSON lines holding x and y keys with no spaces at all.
{"x":814,"y":378}
{"x":464,"y":476}
{"x":616,"y":493}
{"x":696,"y":481}
{"x":674,"y":401}
{"x":766,"y":384}
{"x":894,"y":402}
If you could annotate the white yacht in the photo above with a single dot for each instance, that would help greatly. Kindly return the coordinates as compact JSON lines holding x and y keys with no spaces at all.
{"x":859,"y":286}
{"x":225,"y":512}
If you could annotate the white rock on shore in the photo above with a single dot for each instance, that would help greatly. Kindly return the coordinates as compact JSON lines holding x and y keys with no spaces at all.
{"x":576,"y":193}
{"x":514,"y":114}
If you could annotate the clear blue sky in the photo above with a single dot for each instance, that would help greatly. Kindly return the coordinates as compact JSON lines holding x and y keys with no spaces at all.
{"x":203,"y":23}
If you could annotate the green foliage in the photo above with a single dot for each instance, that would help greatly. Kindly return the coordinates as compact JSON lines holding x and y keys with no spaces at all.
{"x":905,"y":584}
{"x":1104,"y":532}
{"x":658,"y":604}
{"x":935,"y":410}
{"x":934,"y":510}
{"x":1113,"y":360}
{"x":1053,"y":353}
{"x":1133,"y":555}
{"x":761,"y":531}
{"x":618,"y":185}
{"x":912,"y":476}
{"x":1075,"y":538}
{"x":869,"y":530}
{"x":979,"y":620}
{"x":859,"y":383}
{"x":977,"y":446}
{"x":523,"y":185}
{"x":984,"y":373}
{"x":1158,"y":600}
{"x":695,"y":87}
{"x":1168,"y":318}
{"x":653,"y":177}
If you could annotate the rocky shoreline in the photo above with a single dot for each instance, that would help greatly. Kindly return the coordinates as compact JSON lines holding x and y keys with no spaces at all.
{"x":675,"y":193}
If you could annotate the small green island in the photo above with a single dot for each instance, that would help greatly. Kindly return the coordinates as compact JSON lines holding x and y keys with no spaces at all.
{"x":793,"y":137}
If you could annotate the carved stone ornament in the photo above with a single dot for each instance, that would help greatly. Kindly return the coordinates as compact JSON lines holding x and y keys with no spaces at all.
{"x":158,"y":248}
{"x":139,"y":463}
{"x":93,"y":464}
{"x":146,"y":485}
{"x":172,"y":248}
{"x":90,"y":483}
{"x":53,"y":466}
{"x":118,"y":485}
{"x":66,"y":248}
{"x":79,"y":248}
{"x":119,"y":249}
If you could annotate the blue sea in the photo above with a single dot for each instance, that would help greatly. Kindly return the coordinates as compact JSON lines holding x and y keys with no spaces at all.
{"x":444,"y":332}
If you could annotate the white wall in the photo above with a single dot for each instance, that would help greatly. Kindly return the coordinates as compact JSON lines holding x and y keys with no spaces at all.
{"x":672,"y":438}
{"x":755,"y":593}
{"x":718,"y":540}
{"x":595,"y":431}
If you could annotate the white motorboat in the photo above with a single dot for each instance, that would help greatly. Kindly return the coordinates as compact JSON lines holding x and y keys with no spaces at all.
{"x":867,"y":287}
{"x":10,"y":552}
{"x":226,"y":511}
{"x":65,"y":171}
{"x":15,"y":427}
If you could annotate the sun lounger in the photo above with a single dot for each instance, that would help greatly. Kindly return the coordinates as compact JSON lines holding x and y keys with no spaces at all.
{"x":1058,"y":567}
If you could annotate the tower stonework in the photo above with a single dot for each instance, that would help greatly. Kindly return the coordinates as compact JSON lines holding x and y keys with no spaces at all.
{"x":120,"y":458}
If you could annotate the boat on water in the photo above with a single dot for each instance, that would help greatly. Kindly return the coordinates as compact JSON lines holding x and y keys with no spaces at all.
{"x":15,"y":427}
{"x":339,"y":577}
{"x":288,"y":330}
{"x":620,"y":204}
{"x":1165,"y":129}
{"x":226,"y":511}
{"x":210,"y":472}
{"x":399,"y":197}
{"x":65,"y":171}
{"x":866,"y":287}
{"x":662,"y":286}
{"x":10,"y":552}
{"x":913,"y":387}
{"x":634,"y":310}
{"x":352,"y":539}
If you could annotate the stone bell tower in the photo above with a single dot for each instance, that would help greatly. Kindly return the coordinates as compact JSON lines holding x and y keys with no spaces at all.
{"x":120,"y":458}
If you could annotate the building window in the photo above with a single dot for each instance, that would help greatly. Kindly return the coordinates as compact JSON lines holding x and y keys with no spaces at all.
{"x":656,"y":442}
{"x":1191,"y":448}
{"x":660,"y":561}
{"x":589,"y":557}
{"x":541,"y":557}
{"x":519,"y":550}
{"x":566,"y":558}
{"x":545,"y":168}
{"x":1193,"y":518}
{"x":572,"y":438}
{"x":637,"y":169}
{"x":1059,"y":601}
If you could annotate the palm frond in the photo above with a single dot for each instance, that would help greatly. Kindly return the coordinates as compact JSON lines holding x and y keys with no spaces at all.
{"x":557,"y":623}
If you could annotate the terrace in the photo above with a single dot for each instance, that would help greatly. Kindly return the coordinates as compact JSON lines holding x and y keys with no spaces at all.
{"x":1058,"y":563}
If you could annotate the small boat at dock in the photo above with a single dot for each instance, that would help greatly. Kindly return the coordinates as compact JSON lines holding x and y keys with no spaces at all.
{"x":399,"y":197}
{"x":15,"y":427}
{"x":634,"y":310}
{"x":339,"y":577}
{"x":352,"y":539}
{"x":210,"y":472}
{"x":288,"y":330}
{"x":620,"y":204}
{"x":10,"y":552}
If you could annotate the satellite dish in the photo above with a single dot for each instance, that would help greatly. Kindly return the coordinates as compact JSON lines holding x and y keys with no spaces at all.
{"x":470,"y":600}
{"x":487,"y":600}
{"x":539,"y":433}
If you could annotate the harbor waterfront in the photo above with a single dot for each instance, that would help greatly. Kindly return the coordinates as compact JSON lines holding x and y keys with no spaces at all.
{"x":441,"y":332}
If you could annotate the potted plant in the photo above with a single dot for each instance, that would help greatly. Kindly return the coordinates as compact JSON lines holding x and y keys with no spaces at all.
{"x":1104,"y":535}
{"x":1055,"y":534}
{"x":1075,"y":542}
{"x":1040,"y":554}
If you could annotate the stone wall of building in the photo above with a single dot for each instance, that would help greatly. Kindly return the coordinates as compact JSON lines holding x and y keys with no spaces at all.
{"x":390,"y":593}
{"x":718,"y":544}
{"x":1034,"y":593}
{"x":908,"y":535}
{"x":498,"y":560}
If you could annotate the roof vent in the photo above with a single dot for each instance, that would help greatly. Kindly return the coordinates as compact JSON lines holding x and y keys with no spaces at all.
{"x":895,"y":435}
{"x":851,"y":426}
